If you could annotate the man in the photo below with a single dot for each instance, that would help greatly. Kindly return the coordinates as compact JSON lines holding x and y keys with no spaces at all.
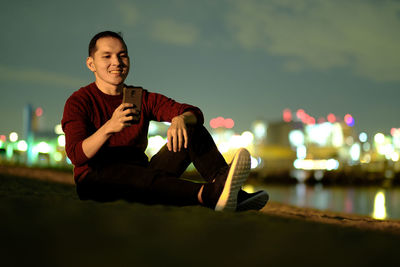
{"x":107,"y":150}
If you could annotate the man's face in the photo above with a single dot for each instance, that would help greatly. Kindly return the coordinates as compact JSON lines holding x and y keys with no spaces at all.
{"x":110,"y":62}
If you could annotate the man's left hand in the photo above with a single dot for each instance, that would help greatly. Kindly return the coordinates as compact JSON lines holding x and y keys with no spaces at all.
{"x":177,"y":134}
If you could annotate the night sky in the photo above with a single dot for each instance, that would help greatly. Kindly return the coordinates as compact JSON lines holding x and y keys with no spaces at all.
{"x":244,"y":60}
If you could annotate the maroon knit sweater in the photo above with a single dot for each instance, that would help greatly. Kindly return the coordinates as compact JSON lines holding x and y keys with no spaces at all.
{"x":87,"y":109}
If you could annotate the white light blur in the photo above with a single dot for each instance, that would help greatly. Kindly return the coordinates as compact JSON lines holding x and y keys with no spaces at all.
{"x":337,"y":135}
{"x":61,"y":140}
{"x":260,"y":130}
{"x":395,"y":156}
{"x":153,"y":128}
{"x":309,"y":164}
{"x":57,"y":156}
{"x":248,"y":138}
{"x":379,"y":138}
{"x":301,"y":152}
{"x":22,"y":145}
{"x":58,"y":129}
{"x":386,"y":150}
{"x":355,"y":152}
{"x":363,"y":137}
{"x":223,"y":147}
{"x":155,"y":144}
{"x":43,"y":147}
{"x":319,"y":133}
{"x":296,"y":138}
{"x":254,"y":162}
{"x":379,"y":206}
{"x":13,"y":137}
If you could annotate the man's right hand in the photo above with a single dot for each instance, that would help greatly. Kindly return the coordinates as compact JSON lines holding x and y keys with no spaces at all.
{"x":121,"y":117}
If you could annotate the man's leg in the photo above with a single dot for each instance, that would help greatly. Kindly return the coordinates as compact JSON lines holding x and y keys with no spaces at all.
{"x":137,"y":184}
{"x":224,"y":183}
{"x":201,"y":150}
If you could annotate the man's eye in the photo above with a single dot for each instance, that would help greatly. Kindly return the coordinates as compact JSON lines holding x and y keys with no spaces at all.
{"x":106,"y":56}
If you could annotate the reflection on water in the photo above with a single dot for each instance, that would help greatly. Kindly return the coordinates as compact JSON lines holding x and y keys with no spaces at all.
{"x":379,"y":206}
{"x":370,"y":201}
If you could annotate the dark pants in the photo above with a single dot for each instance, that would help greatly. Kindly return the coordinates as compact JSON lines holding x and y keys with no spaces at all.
{"x":157,"y":181}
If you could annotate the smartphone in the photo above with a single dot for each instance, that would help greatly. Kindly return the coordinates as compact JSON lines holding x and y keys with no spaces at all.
{"x":133,"y":95}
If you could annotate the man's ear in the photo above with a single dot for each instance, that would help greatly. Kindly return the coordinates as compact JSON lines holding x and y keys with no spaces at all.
{"x":90,"y":64}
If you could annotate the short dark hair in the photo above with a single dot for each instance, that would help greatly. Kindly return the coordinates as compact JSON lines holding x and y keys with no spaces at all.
{"x":92,"y":44}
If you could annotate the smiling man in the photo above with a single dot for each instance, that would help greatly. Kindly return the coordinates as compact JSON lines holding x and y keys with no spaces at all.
{"x":107,"y":149}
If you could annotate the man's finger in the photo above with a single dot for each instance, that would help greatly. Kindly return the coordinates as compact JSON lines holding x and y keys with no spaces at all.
{"x":185,"y":135}
{"x":180,"y":140}
{"x":174,"y":142}
{"x":169,"y":141}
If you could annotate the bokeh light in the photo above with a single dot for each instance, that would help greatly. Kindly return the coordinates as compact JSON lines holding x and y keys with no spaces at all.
{"x":39,"y":112}
{"x":363,"y":137}
{"x":22,"y":145}
{"x":331,"y":118}
{"x":287,"y":115}
{"x":13,"y":137}
{"x":349,"y":120}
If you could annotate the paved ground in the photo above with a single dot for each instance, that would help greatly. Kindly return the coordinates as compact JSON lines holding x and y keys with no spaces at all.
{"x":273,"y":208}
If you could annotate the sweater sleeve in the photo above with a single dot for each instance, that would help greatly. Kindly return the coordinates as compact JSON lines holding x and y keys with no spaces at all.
{"x":75,"y":124}
{"x":162,"y":108}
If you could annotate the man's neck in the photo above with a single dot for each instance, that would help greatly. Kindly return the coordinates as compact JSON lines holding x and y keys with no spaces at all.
{"x":109,"y":89}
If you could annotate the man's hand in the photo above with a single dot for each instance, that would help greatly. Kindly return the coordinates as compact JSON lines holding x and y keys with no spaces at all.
{"x":177,"y":134}
{"x":121,"y":117}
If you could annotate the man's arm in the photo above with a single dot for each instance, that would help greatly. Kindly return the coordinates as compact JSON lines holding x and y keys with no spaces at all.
{"x":118,"y":121}
{"x":177,"y":132}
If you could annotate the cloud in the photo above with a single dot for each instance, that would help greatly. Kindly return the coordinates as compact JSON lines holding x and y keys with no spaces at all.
{"x":129,"y":13}
{"x":360,"y":35}
{"x":39,"y":76}
{"x":173,"y":32}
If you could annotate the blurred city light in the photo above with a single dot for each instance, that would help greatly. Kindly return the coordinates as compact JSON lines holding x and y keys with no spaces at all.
{"x":155,"y":144}
{"x":22,"y":145}
{"x":296,"y":138}
{"x":309,"y":164}
{"x":349,"y":120}
{"x":395,"y":132}
{"x":379,"y":138}
{"x":331,"y":118}
{"x":13,"y":137}
{"x":379,"y":206}
{"x":300,"y":114}
{"x":301,"y":152}
{"x":39,"y":112}
{"x":58,"y":129}
{"x":355,"y":152}
{"x":221,"y":122}
{"x":260,"y":130}
{"x":287,"y":115}
{"x":61,"y":140}
{"x":363,"y":137}
{"x":395,"y":156}
{"x":43,"y":147}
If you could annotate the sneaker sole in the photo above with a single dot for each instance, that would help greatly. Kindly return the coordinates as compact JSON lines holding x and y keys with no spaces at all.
{"x":256,"y":202}
{"x":238,"y":173}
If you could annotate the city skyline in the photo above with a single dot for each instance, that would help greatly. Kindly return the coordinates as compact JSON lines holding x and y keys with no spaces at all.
{"x":241,"y":60}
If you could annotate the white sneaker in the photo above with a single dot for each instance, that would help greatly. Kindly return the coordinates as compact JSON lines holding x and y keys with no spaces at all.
{"x":237,"y":175}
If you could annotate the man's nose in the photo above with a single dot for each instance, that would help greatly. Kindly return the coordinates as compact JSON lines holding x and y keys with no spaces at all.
{"x":117,"y":61}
